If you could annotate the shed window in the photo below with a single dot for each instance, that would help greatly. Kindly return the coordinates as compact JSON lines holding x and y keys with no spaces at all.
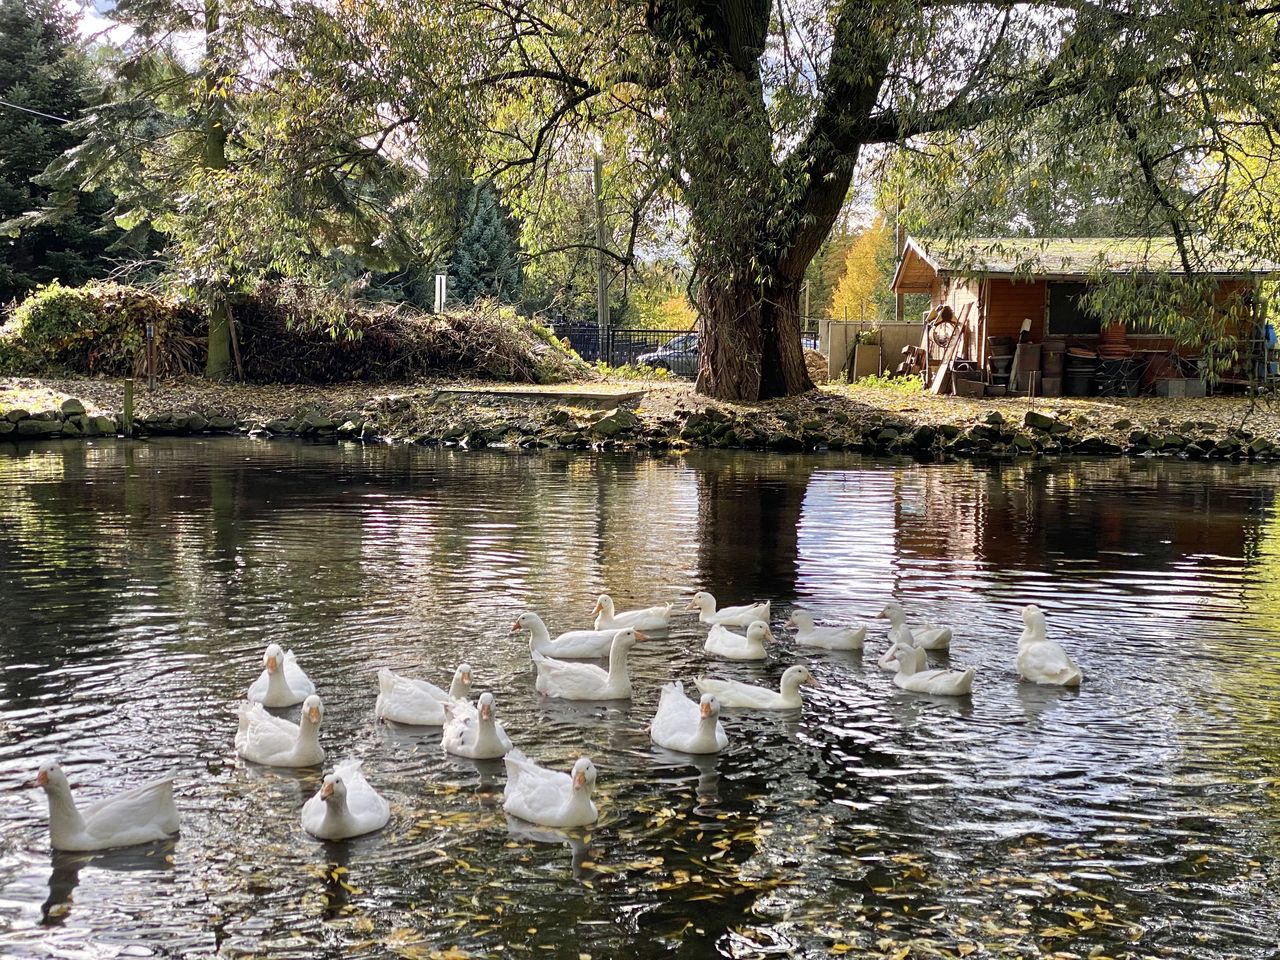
{"x":1066,"y":314}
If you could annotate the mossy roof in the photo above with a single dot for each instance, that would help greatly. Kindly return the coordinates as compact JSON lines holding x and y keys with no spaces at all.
{"x":1073,"y":257}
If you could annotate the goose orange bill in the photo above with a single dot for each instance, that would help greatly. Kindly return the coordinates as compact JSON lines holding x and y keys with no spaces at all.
{"x":579,"y":780}
{"x":326,"y":791}
{"x":314,"y":714}
{"x":272,"y":665}
{"x":515,"y":627}
{"x":641,"y":636}
{"x":705,"y":709}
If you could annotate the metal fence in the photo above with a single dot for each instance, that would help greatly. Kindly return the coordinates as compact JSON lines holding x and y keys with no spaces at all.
{"x":674,"y":350}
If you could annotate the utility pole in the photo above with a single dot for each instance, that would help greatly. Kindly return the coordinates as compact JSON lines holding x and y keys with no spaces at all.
{"x":899,"y":242}
{"x":602,"y":280}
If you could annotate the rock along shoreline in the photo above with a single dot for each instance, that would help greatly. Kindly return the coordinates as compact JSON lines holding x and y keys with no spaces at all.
{"x":665,"y":418}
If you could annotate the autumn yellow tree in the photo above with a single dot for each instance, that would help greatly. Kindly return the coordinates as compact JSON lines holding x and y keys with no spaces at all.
{"x":864,"y":286}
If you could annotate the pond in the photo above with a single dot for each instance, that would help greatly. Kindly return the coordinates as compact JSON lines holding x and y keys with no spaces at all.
{"x":1137,"y":817}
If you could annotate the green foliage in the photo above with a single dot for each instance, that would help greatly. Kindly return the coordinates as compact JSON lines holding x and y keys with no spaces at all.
{"x":42,"y":68}
{"x":485,"y":261}
{"x":907,"y":385}
{"x":657,"y":299}
{"x":631,"y":371}
{"x":100,"y":328}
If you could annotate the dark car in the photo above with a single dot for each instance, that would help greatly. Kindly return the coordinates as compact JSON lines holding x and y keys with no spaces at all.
{"x":679,"y":355}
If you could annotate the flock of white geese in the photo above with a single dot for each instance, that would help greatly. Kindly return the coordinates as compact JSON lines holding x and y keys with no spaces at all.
{"x":346,"y":805}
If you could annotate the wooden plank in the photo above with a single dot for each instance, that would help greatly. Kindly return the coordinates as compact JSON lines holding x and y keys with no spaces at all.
{"x":942,"y":379}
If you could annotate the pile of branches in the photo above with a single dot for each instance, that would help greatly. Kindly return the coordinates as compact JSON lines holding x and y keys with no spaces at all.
{"x":295,"y":334}
{"x":100,"y":328}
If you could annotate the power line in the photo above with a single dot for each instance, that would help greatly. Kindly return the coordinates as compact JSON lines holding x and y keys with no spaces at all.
{"x":38,"y":113}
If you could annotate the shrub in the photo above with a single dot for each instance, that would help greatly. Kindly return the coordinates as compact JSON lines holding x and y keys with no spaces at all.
{"x":101,"y":328}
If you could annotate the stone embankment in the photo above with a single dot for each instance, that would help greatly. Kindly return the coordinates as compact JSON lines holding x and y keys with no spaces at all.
{"x":665,"y":419}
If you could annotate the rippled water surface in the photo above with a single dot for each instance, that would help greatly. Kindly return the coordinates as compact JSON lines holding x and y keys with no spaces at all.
{"x":1137,"y":817}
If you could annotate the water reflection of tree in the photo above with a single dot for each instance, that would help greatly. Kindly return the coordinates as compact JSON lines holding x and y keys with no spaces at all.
{"x":749,"y":511}
{"x":1035,"y":515}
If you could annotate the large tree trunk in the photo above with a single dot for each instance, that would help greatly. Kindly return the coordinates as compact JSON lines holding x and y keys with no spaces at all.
{"x":218,"y":360}
{"x":749,"y":341}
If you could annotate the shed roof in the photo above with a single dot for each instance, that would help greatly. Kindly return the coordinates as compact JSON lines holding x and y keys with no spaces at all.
{"x":1057,"y":257}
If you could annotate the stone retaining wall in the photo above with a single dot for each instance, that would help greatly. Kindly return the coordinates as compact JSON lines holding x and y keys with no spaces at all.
{"x":543,"y":424}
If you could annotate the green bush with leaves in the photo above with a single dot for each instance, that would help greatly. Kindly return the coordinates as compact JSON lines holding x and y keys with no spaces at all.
{"x":100,"y":328}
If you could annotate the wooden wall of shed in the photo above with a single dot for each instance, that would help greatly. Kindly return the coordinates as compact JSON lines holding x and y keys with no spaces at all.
{"x":959,"y":293}
{"x":1008,"y":302}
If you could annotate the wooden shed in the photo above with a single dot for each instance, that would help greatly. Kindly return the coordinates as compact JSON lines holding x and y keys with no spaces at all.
{"x":995,"y":284}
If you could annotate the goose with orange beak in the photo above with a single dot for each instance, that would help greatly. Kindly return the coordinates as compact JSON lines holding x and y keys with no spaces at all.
{"x":416,"y":702}
{"x":688,"y":727}
{"x":282,"y":682}
{"x":473,"y":731}
{"x":572,"y":645}
{"x":141,"y":815}
{"x":548,"y":797}
{"x":586,"y":681}
{"x":742,"y":616}
{"x":723,"y":642}
{"x":653,"y":619}
{"x":808,"y":634}
{"x":735,"y":693}
{"x":276,"y":742}
{"x":345,"y":805}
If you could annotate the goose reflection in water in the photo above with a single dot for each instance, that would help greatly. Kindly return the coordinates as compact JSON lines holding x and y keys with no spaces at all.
{"x":65,"y":874}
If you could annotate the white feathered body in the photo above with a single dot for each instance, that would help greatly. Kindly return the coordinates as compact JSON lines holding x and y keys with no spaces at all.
{"x":362,"y":810}
{"x":408,"y":700}
{"x":654,"y":619}
{"x":543,"y":796}
{"x":467,"y":734}
{"x":679,"y":724}
{"x":584,"y":681}
{"x":723,"y":642}
{"x":282,"y":687}
{"x":141,"y":815}
{"x":275,"y":741}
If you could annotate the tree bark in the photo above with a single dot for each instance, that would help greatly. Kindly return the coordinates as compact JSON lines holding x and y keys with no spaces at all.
{"x":749,"y":341}
{"x":218,"y":358}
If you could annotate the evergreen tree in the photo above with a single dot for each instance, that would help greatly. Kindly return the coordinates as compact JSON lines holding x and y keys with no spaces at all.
{"x":485,"y":259}
{"x":42,"y":68}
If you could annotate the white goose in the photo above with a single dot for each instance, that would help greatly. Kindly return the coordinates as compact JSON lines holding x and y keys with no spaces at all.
{"x":1042,"y":660}
{"x":472,"y":732}
{"x":648,"y":618}
{"x":282,"y":682}
{"x":927,"y":637}
{"x":735,"y":693}
{"x":913,"y":676}
{"x":586,"y":681}
{"x":742,"y":616}
{"x":418,"y":702}
{"x":140,"y":815}
{"x":574,"y":644}
{"x":826,"y":638}
{"x":889,"y":659}
{"x":723,"y":642}
{"x":345,"y":805}
{"x":549,"y":797}
{"x":270,"y":740}
{"x":680,"y":724}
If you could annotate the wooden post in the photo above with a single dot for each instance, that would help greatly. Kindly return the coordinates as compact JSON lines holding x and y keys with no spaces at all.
{"x":900,"y":242}
{"x":602,"y":279}
{"x":128,"y":407}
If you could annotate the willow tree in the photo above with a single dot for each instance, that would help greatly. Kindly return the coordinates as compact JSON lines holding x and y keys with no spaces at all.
{"x":752,"y":117}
